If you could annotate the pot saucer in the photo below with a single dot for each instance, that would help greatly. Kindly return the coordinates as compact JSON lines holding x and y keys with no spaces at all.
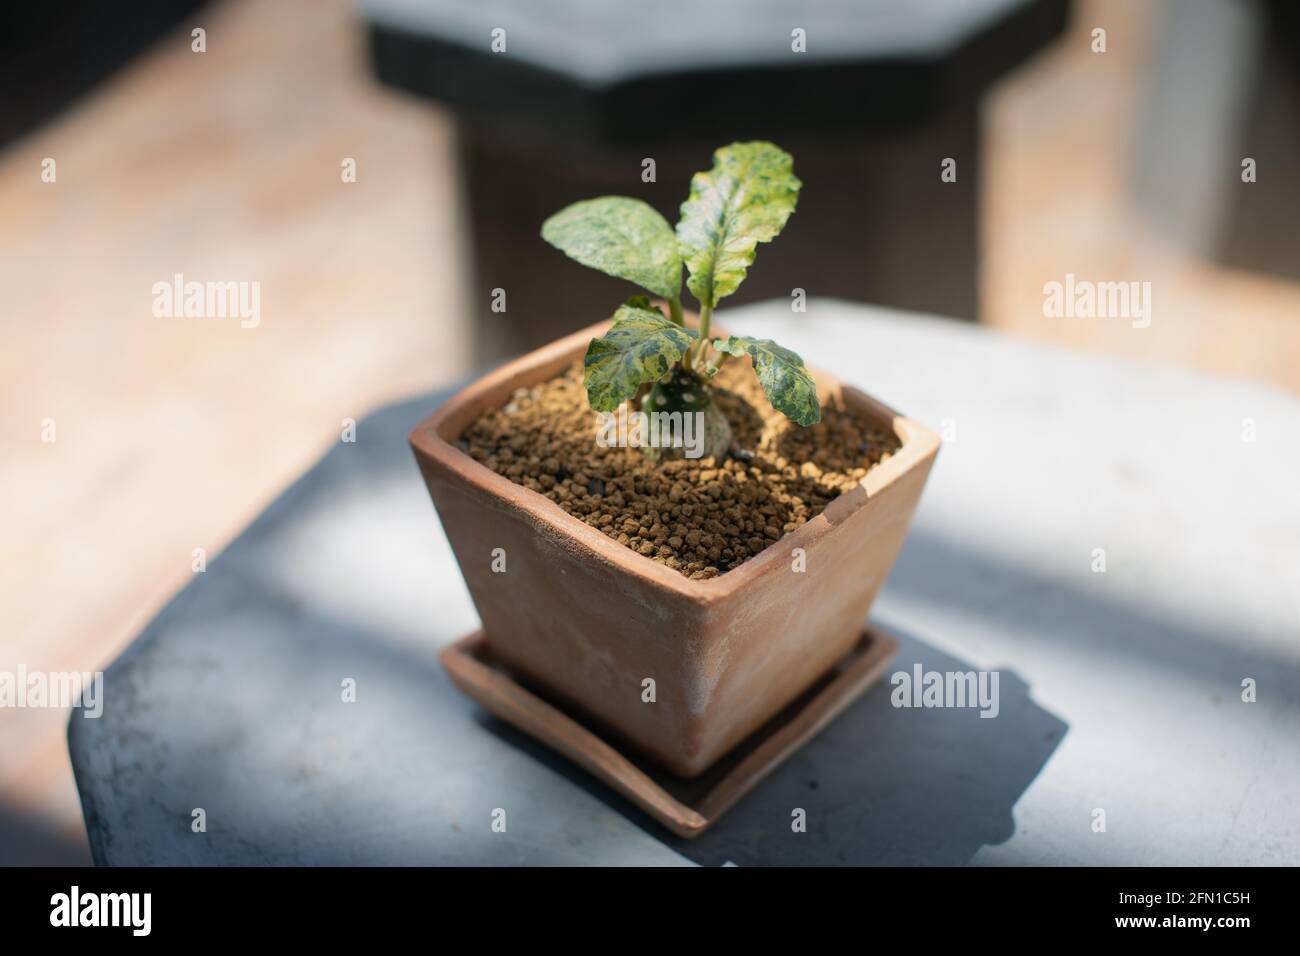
{"x":686,"y":807}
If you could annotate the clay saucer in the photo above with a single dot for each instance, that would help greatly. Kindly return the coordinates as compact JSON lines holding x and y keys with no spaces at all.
{"x":686,"y":807}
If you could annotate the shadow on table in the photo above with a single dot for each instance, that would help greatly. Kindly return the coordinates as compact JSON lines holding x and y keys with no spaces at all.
{"x":880,"y":786}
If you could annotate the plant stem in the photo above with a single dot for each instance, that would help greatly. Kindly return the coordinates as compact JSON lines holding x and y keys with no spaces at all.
{"x":675,"y":311}
{"x":717,"y":363}
{"x":696,"y":356}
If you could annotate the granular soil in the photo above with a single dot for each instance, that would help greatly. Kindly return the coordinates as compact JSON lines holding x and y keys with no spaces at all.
{"x":700,"y":517}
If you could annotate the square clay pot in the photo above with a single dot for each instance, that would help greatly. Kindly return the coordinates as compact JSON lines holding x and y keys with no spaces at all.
{"x":586,"y":620}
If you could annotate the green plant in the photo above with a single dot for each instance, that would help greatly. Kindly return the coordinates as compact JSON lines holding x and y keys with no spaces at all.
{"x":743,"y":200}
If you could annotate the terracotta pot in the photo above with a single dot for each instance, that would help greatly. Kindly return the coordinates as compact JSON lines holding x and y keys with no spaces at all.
{"x":585,"y":619}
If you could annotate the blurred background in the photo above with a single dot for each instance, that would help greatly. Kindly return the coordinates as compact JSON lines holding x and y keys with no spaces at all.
{"x":1118,"y":163}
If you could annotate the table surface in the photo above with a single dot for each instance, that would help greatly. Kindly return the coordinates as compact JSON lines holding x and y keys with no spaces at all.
{"x":574,"y":36}
{"x":1120,"y":691}
{"x":568,"y":68}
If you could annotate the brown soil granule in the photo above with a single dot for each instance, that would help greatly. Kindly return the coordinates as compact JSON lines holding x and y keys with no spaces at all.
{"x":701,"y":517}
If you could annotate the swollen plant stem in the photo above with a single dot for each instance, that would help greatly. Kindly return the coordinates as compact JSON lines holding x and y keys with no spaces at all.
{"x":675,"y":311}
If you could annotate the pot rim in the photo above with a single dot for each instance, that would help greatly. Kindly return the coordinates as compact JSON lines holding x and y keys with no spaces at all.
{"x":427,"y":438}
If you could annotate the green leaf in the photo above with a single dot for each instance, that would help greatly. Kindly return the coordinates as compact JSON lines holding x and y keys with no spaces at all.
{"x":743,"y":200}
{"x":641,"y":346}
{"x":621,"y":237}
{"x":788,"y":385}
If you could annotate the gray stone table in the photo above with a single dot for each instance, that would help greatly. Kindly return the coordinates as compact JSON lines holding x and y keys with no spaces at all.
{"x":1120,"y":691}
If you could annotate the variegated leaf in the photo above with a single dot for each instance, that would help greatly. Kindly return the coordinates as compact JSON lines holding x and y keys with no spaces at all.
{"x":641,"y":346}
{"x":743,"y":200}
{"x":621,"y":237}
{"x":786,"y":382}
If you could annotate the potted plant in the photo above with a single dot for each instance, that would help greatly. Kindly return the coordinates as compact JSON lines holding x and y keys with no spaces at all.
{"x":680,"y":593}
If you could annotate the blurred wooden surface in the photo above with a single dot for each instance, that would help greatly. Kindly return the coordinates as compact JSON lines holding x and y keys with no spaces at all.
{"x":1060,"y":151}
{"x":173,"y":433}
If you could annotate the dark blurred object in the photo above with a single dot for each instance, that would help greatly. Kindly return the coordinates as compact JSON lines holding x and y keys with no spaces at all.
{"x":1225,"y":87}
{"x":52,"y":52}
{"x":584,"y":92}
{"x":28,"y":840}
